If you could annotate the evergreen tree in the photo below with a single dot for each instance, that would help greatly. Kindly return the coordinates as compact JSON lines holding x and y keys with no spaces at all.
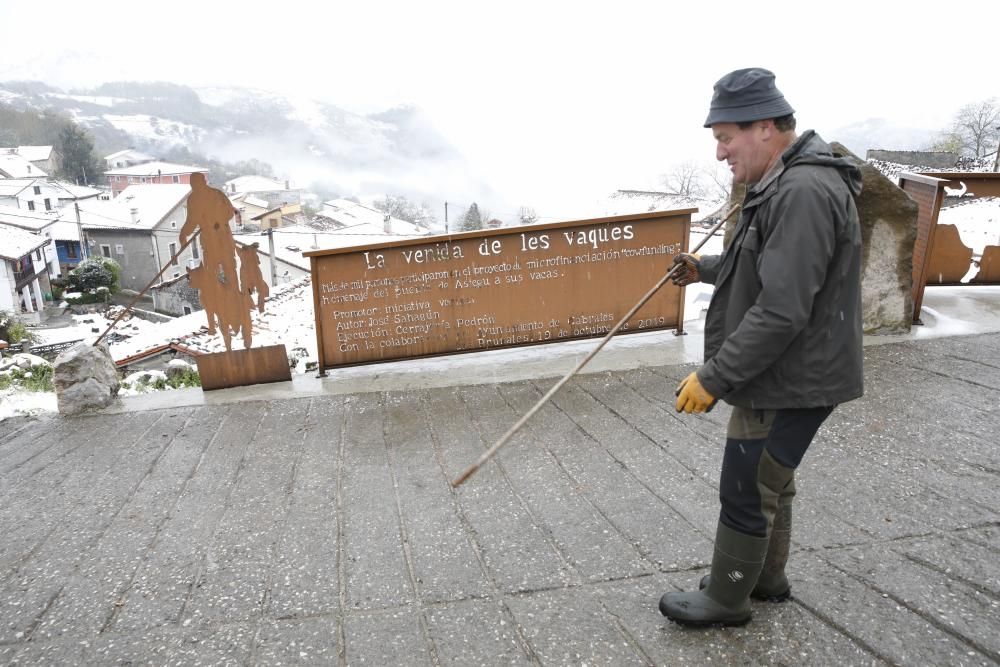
{"x":472,"y":220}
{"x":79,"y":162}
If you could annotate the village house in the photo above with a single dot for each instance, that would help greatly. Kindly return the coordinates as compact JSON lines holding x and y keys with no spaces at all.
{"x":275,"y":193}
{"x":29,"y":194}
{"x":13,"y":165}
{"x":140,"y":229}
{"x":150,"y":173}
{"x":44,"y":158}
{"x":24,"y":280}
{"x":40,"y":224}
{"x":127,"y":158}
{"x":343,"y":213}
{"x":277,"y":217}
{"x":69,"y":251}
{"x":248,"y":207}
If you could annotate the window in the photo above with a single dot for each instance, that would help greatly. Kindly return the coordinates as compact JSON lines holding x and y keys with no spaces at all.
{"x":194,"y":250}
{"x":173,"y":251}
{"x":173,"y":224}
{"x":105,"y":250}
{"x":31,"y":206}
{"x":37,"y":189}
{"x":177,"y":179}
{"x":38,"y":254}
{"x":71,"y":251}
{"x":48,"y":204}
{"x":187,"y":310}
{"x":119,"y":249}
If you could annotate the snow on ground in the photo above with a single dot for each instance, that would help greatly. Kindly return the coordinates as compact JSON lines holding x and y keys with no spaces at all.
{"x":150,"y":127}
{"x":14,"y":402}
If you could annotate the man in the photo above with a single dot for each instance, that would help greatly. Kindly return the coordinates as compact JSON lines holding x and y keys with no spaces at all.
{"x":782,"y":335}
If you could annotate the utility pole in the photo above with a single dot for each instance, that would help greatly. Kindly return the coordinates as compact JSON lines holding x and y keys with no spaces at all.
{"x":270,"y":249}
{"x":446,"y":217}
{"x":84,"y":251}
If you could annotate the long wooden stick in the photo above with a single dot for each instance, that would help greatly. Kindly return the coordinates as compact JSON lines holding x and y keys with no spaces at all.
{"x":471,"y":470}
{"x":146,"y":288}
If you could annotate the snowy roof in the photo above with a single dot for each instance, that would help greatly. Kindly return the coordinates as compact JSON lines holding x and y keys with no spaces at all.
{"x":366,"y":220}
{"x":892,"y":170}
{"x":34,"y":221}
{"x":287,"y":319}
{"x":65,"y":230}
{"x":153,"y":202}
{"x":16,"y":166}
{"x":254,"y":184}
{"x":33,"y":153}
{"x":16,"y":243}
{"x":155,"y":169}
{"x":131,"y":155}
{"x":11,"y":187}
{"x":73,"y":192}
{"x":293,"y":240}
{"x":255,"y":201}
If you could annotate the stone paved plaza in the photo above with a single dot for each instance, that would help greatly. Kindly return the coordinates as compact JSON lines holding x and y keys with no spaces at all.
{"x":323,"y":530}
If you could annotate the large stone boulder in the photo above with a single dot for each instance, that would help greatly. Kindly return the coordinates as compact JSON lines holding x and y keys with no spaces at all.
{"x":85,"y":378}
{"x":888,"y":232}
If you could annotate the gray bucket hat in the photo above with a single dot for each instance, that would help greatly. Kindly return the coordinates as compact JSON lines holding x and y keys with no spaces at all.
{"x":746,"y":95}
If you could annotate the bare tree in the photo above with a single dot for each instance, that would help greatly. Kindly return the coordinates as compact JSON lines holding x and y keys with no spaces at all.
{"x":399,"y":207}
{"x":684,"y":179}
{"x":722,"y":181}
{"x":974,"y":131}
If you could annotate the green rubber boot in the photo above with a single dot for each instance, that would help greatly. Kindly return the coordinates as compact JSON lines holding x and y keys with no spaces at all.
{"x":772,"y":585}
{"x":736,"y":564}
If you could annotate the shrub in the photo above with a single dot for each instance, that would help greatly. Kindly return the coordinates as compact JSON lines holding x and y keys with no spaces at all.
{"x":14,"y":330}
{"x":88,"y":297}
{"x":189,"y":378}
{"x":37,"y":378}
{"x":95,"y":272}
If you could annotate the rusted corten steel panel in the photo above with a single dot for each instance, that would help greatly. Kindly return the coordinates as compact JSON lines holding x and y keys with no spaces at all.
{"x":950,"y":258}
{"x":928,"y":192}
{"x":238,"y":368}
{"x":495,"y":288}
{"x":989,"y":267}
{"x":972,"y":184}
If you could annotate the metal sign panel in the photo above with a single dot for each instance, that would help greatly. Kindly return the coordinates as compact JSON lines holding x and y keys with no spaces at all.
{"x":497,"y":288}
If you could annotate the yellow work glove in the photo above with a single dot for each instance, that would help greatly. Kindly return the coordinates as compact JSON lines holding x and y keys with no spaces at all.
{"x":692,"y":397}
{"x":687,"y":273}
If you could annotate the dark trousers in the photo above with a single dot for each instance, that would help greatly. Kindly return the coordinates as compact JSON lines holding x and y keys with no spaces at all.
{"x":763,"y":449}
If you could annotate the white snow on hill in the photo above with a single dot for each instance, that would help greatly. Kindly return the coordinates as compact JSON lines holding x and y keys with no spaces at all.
{"x":150,"y":127}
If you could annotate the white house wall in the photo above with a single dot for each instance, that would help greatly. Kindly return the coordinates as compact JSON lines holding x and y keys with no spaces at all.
{"x":7,"y":297}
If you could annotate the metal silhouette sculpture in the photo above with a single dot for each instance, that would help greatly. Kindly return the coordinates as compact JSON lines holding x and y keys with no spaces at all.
{"x":228,"y":295}
{"x":225,"y":294}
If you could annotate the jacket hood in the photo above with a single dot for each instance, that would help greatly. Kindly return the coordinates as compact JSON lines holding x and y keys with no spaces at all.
{"x":811,"y":149}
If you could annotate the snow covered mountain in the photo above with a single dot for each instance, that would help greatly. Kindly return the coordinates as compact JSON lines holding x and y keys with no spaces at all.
{"x":313,"y":143}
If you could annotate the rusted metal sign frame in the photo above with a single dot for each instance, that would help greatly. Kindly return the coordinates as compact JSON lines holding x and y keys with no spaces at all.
{"x":927,"y":192}
{"x":682,"y":216}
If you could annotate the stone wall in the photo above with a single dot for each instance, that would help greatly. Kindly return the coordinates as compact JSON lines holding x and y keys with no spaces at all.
{"x":935,"y":159}
{"x":176,"y":295}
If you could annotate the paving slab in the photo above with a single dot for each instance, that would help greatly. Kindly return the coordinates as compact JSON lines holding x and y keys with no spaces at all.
{"x":322,"y":528}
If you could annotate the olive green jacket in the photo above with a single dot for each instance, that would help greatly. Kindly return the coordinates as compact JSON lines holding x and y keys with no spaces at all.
{"x":783,"y":329}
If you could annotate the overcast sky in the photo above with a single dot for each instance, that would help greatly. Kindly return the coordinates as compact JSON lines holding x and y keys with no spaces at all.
{"x":553,"y":102}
